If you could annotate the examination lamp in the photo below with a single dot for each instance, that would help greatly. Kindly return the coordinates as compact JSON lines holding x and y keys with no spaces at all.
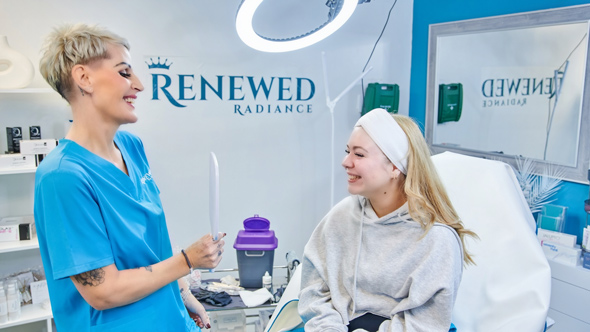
{"x":340,"y":11}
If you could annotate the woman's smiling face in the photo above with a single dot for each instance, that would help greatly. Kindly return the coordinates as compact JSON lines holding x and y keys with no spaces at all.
{"x":369,"y":171}
{"x":115,"y":86}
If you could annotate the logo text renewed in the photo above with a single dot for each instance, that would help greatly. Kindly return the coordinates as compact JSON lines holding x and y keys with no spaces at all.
{"x":248,"y":94}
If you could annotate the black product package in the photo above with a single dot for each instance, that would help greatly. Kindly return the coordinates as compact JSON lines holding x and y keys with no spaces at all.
{"x":35,"y":132}
{"x":25,"y":231}
{"x":13,"y":137}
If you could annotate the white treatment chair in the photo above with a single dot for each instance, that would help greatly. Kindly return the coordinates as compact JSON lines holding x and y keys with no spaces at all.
{"x":285,"y":316}
{"x":509,"y":288}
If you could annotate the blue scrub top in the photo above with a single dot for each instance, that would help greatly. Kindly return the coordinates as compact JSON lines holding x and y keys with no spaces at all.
{"x":89,"y":214}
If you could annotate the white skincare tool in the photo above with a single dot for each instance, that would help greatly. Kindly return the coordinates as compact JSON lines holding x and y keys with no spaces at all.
{"x":213,"y":196}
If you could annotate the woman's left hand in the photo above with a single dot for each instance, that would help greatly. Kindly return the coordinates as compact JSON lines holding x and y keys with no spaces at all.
{"x":198,"y":313}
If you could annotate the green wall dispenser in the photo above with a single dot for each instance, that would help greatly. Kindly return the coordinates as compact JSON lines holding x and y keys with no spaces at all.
{"x":384,"y":96}
{"x":450,"y":102}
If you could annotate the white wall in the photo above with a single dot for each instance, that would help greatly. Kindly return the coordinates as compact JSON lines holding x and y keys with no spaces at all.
{"x":274,"y":165}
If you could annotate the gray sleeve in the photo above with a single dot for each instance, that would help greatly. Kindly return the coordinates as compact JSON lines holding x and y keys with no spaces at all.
{"x":315,"y":301}
{"x":315,"y":305}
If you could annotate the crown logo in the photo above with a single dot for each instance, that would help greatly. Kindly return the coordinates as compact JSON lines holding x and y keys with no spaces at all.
{"x":154,"y":65}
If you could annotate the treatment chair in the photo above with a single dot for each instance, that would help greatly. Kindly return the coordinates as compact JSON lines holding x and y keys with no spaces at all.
{"x":509,"y":288}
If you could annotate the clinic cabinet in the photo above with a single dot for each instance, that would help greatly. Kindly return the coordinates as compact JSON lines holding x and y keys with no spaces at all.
{"x":570,"y":298}
{"x":29,"y":313}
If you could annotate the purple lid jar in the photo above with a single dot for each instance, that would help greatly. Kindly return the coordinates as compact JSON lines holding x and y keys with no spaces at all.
{"x":256,"y":235}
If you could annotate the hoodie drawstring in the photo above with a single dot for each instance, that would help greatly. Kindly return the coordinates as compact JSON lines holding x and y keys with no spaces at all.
{"x":358,"y":256}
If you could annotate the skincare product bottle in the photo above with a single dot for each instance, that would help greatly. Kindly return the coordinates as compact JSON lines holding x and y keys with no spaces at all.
{"x":267,"y":282}
{"x":3,"y":305}
{"x":13,"y":302}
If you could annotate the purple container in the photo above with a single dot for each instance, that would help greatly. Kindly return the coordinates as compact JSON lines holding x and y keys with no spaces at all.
{"x":255,"y":246}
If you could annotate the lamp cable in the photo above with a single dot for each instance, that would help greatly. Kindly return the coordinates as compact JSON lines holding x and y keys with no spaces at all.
{"x":558,"y":77}
{"x":375,"y":46}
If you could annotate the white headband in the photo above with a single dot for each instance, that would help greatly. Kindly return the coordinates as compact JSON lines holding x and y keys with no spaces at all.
{"x":388,"y":135}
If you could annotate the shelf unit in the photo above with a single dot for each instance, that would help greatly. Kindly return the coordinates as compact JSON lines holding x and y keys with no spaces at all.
{"x":18,"y":171}
{"x":33,"y":312}
{"x":27,"y":90}
{"x":570,"y":290}
{"x":19,"y":245}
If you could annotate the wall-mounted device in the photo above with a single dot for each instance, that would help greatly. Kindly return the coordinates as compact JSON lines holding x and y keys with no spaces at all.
{"x":450,"y":102}
{"x":384,"y":96}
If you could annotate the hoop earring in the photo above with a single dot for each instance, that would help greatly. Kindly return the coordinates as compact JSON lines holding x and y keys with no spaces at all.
{"x":81,"y":91}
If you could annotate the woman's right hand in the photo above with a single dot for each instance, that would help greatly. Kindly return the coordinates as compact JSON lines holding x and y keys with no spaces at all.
{"x":206,"y":252}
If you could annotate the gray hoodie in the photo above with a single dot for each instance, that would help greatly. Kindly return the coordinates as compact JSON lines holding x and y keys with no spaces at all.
{"x":356,"y":262}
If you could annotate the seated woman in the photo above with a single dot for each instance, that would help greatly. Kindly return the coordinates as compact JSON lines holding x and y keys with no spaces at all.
{"x":389,"y":257}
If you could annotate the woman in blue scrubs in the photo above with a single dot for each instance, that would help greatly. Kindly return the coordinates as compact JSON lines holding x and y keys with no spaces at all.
{"x":102,"y":231}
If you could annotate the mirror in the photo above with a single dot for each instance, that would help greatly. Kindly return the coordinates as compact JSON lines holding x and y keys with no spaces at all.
{"x":513,"y":86}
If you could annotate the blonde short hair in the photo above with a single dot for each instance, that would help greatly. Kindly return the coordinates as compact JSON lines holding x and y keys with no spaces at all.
{"x":69,"y":45}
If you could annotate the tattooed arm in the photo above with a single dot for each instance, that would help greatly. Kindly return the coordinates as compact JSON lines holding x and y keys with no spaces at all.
{"x":108,"y":287}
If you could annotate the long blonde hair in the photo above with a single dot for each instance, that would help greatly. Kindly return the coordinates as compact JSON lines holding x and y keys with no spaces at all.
{"x":428,"y":200}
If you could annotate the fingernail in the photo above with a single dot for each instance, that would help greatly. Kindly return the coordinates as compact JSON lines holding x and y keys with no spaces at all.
{"x":224,"y":234}
{"x":208,"y":326}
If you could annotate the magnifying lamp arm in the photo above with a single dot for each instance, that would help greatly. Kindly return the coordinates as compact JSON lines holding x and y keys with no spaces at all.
{"x":352,"y":85}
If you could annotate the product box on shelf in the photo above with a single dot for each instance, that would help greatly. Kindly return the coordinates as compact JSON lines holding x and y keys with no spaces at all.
{"x":16,"y":161}
{"x":9,"y":233}
{"x":557,"y":237}
{"x":35,"y":132}
{"x":562,"y":254}
{"x":39,"y":292}
{"x":13,"y":137}
{"x":17,"y":228}
{"x":37,"y":146}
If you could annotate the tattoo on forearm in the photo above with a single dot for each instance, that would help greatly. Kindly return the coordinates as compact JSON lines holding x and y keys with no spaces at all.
{"x":184,"y":293}
{"x":91,"y":278}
